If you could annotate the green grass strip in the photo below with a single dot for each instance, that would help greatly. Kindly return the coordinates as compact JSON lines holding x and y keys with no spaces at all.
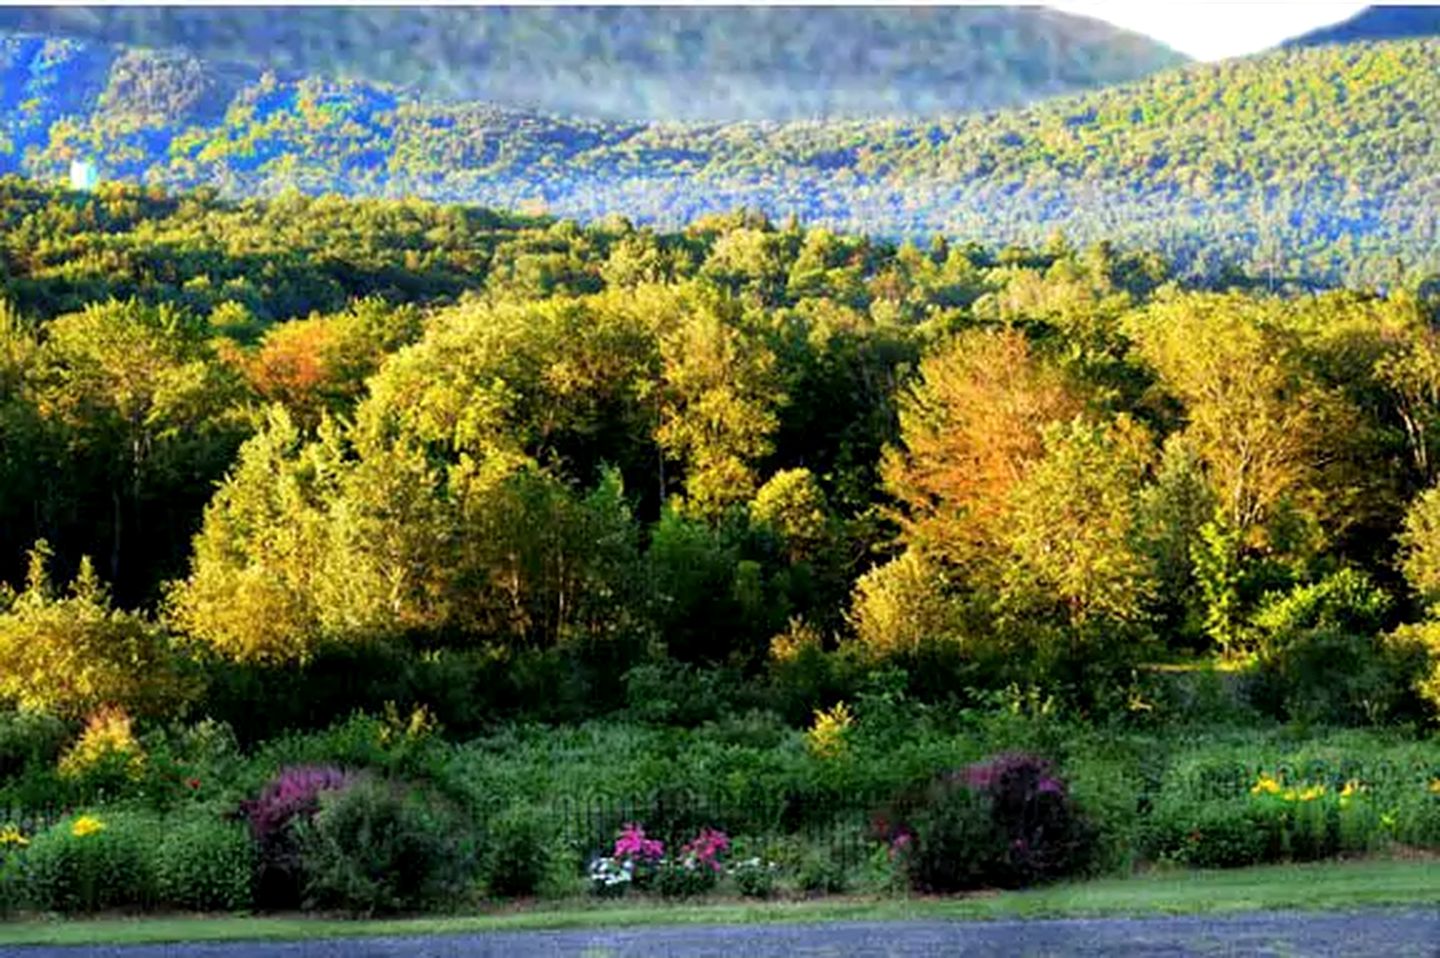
{"x":1304,"y":887}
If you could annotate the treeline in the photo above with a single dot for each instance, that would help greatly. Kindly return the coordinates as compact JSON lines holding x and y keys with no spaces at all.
{"x":1308,"y":166}
{"x":440,"y":456}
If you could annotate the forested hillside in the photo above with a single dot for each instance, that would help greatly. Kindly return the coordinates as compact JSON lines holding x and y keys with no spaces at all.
{"x":1316,"y":165}
{"x":466,"y":457}
{"x":653,"y":63}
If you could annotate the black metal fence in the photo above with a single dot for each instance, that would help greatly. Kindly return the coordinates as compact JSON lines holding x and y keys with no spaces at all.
{"x":30,"y":821}
{"x":844,"y":821}
{"x":1232,"y":780}
{"x":839,"y":823}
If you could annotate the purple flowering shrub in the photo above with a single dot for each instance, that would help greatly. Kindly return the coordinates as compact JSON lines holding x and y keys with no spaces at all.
{"x":1006,"y":822}
{"x":291,"y":797}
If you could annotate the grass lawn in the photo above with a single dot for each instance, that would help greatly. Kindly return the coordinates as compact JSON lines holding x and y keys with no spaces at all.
{"x":1317,"y":886}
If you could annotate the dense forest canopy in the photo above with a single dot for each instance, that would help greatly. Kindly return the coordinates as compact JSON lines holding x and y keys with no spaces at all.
{"x":285,"y":430}
{"x":654,"y":63}
{"x":1307,"y":165}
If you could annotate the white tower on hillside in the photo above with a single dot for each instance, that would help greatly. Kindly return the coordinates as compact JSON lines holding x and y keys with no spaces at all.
{"x":83,"y":175}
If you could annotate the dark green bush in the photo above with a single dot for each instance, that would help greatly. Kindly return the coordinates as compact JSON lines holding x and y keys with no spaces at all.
{"x":1006,"y":822}
{"x":110,"y":867}
{"x":681,"y":880}
{"x":14,"y":884}
{"x":380,"y":846}
{"x":818,"y":873}
{"x":754,"y":877}
{"x":205,"y":864}
{"x":1320,"y":657}
{"x":957,"y":844}
{"x":519,"y":853}
{"x":29,"y":741}
{"x":1210,"y":834}
{"x":1417,"y":819}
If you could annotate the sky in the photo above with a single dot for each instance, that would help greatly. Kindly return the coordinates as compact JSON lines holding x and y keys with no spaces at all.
{"x":1217,"y":29}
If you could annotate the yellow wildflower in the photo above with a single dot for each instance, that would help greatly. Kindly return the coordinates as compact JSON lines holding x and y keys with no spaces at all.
{"x":86,"y":825}
{"x":1352,"y":787}
{"x":1265,"y":785}
{"x":1312,"y":793}
{"x":10,"y":835}
{"x":1435,"y":787}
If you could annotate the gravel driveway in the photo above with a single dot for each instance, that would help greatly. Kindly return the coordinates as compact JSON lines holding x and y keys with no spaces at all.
{"x":1397,"y":933}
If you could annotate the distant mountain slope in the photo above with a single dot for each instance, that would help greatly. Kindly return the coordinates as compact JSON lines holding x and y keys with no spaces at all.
{"x":1376,"y":23}
{"x":1320,"y":164}
{"x":644,"y":63}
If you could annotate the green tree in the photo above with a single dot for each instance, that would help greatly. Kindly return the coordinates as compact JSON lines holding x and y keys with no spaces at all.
{"x":69,"y":654}
{"x":1075,"y":531}
{"x":251,"y":590}
{"x":720,"y":393}
{"x":134,"y":393}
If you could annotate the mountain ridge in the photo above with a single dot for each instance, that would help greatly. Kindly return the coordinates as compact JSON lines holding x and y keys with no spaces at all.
{"x":1375,"y":23}
{"x":654,"y":63}
{"x":1313,"y":163}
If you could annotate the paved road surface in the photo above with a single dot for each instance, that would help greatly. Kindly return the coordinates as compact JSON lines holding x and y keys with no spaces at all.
{"x":1366,"y":934}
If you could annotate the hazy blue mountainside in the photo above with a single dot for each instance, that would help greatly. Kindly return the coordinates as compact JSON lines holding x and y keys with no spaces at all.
{"x":1376,"y":23}
{"x":655,"y":63}
{"x":1316,"y":164}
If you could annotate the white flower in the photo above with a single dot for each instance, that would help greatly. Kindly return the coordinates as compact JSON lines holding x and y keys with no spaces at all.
{"x":607,"y":872}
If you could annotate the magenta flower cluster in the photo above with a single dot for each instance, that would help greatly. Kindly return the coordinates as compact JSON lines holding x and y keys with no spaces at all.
{"x":632,"y":845}
{"x":707,"y":848}
{"x":294,"y":792}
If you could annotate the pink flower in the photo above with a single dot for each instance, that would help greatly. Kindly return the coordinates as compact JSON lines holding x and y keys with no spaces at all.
{"x":707,"y":847}
{"x":632,"y":844}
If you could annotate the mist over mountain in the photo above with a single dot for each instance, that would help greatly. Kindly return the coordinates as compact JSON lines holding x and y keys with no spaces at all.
{"x":653,"y":63}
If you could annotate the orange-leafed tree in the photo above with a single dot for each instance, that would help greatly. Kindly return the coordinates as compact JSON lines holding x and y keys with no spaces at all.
{"x":972,"y":428}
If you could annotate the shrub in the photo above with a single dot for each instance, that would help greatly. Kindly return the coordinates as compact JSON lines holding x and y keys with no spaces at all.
{"x":291,"y":797}
{"x":93,"y":862}
{"x":107,"y":755}
{"x":520,"y":853}
{"x":1320,"y":656}
{"x":29,"y":740}
{"x":1006,"y":822}
{"x":959,"y":846}
{"x":70,"y":654}
{"x":684,"y":878}
{"x":1210,"y":834}
{"x":819,"y":873}
{"x":205,"y":864}
{"x":378,"y":846}
{"x":1417,"y":816}
{"x":13,"y":870}
{"x":829,"y":735}
{"x":1275,"y":821}
{"x":635,"y":855}
{"x":13,"y":891}
{"x":754,"y":877}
